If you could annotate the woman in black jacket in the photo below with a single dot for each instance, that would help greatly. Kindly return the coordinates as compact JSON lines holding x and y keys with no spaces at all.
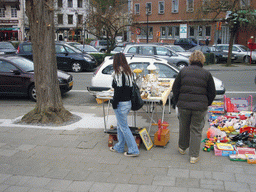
{"x":122,"y":84}
{"x":193,"y":91}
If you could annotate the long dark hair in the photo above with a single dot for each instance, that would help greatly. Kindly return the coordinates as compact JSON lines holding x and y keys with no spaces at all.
{"x":120,"y":61}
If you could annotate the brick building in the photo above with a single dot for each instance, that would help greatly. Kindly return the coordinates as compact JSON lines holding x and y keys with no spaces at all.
{"x":168,"y":20}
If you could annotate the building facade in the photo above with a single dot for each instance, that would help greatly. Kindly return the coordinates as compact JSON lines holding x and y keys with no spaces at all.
{"x":167,"y":20}
{"x":12,"y":25}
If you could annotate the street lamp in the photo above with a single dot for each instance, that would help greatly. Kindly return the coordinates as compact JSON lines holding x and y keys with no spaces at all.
{"x":147,"y":11}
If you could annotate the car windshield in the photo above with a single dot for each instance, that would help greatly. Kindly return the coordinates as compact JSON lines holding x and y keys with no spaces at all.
{"x":103,"y":43}
{"x":244,"y":48}
{"x":6,"y":46}
{"x":88,"y":48}
{"x":71,"y":49}
{"x":23,"y":63}
{"x":178,"y":49}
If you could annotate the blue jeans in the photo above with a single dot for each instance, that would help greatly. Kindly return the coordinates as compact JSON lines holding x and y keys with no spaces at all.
{"x":124,"y":134}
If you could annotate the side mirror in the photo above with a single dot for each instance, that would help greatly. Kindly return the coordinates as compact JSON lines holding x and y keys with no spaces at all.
{"x":16,"y":72}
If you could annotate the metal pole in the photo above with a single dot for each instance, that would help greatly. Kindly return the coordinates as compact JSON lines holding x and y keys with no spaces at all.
{"x":147,"y":22}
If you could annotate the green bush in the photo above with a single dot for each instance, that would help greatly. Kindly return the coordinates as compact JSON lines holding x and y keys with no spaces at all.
{"x":99,"y":57}
{"x":209,"y":58}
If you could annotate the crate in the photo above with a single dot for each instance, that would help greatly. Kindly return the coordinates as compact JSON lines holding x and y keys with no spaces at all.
{"x":237,"y":104}
{"x":225,"y":153}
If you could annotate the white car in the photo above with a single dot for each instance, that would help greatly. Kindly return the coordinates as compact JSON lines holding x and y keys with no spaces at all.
{"x":102,"y":78}
{"x":242,"y":52}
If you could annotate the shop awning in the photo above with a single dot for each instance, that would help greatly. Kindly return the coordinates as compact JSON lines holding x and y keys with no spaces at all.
{"x":9,"y":29}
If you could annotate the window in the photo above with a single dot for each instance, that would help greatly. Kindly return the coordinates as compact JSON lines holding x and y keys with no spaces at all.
{"x":70,"y":3}
{"x":200,"y":31}
{"x":60,"y":3}
{"x":70,"y":19}
{"x":163,"y":32}
{"x":176,"y":31}
{"x":13,"y":11}
{"x":132,"y":50}
{"x":80,"y":3}
{"x":137,"y":9}
{"x":146,"y":50}
{"x":108,"y":70}
{"x":191,"y":31}
{"x":165,"y":71}
{"x":60,"y":18}
{"x":190,"y":5}
{"x":6,"y":67}
{"x":148,"y":8}
{"x":2,"y":12}
{"x":161,"y":7}
{"x":244,"y":3}
{"x":169,"y":32}
{"x":80,"y":19}
{"x":60,"y":49}
{"x":175,"y":6}
{"x":162,"y":51}
{"x":208,"y":31}
{"x":143,"y":33}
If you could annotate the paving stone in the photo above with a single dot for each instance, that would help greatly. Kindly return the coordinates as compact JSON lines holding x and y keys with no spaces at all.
{"x":178,"y":172}
{"x":174,"y":189}
{"x":164,"y":180}
{"x":114,"y":168}
{"x":3,"y":168}
{"x":245,"y":178}
{"x":199,"y":190}
{"x":200,"y":174}
{"x":17,"y":189}
{"x":2,"y":144}
{"x":37,"y":182}
{"x":102,"y":187}
{"x":211,"y":184}
{"x":87,"y":144}
{"x":77,"y":175}
{"x":150,"y":188}
{"x":56,"y":184}
{"x":188,"y":182}
{"x":39,"y":190}
{"x":98,"y":176}
{"x":4,"y":177}
{"x":25,"y":147}
{"x":223,"y":176}
{"x":149,"y":163}
{"x":234,"y":186}
{"x":8,"y":153}
{"x":38,"y":171}
{"x":156,"y":171}
{"x":80,"y":186}
{"x":233,"y":169}
{"x":3,"y":187}
{"x":119,"y":178}
{"x":16,"y":180}
{"x":141,"y":179}
{"x":135,"y":169}
{"x":57,"y":173}
{"x":252,"y":187}
{"x":126,"y":188}
{"x":110,"y":160}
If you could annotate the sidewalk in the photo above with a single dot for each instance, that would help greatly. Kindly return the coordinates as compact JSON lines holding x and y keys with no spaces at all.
{"x":233,"y":67}
{"x":37,"y":159}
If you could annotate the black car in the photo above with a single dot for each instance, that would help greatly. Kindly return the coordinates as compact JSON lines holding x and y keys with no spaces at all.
{"x":68,"y":57}
{"x":187,"y":43}
{"x":7,"y":48}
{"x":17,"y":77}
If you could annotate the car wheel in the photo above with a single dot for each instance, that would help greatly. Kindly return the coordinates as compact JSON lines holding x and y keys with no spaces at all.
{"x":182,"y":65}
{"x":247,"y":59}
{"x":76,"y":67}
{"x":32,"y":93}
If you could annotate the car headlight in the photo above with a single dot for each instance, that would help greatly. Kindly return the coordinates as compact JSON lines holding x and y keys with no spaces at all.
{"x":87,"y":59}
{"x":61,"y":81}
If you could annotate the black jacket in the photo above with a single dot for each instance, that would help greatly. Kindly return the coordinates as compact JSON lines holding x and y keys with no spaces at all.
{"x":122,"y":93}
{"x":194,"y":88}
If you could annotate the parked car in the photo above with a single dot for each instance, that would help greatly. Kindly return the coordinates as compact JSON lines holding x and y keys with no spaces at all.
{"x":242,"y":52}
{"x":102,"y":78}
{"x":100,"y":45}
{"x":117,"y":50}
{"x":17,"y":77}
{"x":179,"y":50}
{"x":219,"y":55}
{"x":7,"y":48}
{"x":68,"y":57}
{"x":87,"y":49}
{"x":187,"y":43}
{"x":159,"y":51}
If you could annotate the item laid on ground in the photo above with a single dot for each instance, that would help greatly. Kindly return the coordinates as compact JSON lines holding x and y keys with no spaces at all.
{"x":162,"y":136}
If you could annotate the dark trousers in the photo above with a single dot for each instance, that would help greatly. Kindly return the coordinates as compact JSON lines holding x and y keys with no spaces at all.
{"x":191,"y":124}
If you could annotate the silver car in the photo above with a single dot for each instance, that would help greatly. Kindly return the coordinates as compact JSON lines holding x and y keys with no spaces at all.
{"x":159,"y":51}
{"x":242,"y":52}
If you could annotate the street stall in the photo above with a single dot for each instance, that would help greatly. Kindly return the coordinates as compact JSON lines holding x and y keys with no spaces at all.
{"x":153,"y":92}
{"x":232,"y":131}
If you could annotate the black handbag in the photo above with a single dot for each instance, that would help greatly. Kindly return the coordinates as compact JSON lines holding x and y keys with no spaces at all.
{"x":136,"y":99}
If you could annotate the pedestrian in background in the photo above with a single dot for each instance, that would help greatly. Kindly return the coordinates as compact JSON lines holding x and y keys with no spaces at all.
{"x":207,"y":41}
{"x":193,"y":91}
{"x":219,"y":40}
{"x":122,"y":84}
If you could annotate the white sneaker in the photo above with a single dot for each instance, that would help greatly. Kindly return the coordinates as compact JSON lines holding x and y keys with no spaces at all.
{"x":193,"y":160}
{"x":182,"y":152}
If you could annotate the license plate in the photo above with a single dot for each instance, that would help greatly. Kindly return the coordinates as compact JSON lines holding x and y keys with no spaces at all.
{"x":70,"y":83}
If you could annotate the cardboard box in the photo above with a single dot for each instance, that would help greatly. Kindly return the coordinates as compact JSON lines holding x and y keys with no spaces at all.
{"x":224,"y":153}
{"x":245,"y":150}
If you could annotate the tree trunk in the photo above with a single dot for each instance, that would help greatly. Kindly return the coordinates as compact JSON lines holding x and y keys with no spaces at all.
{"x":231,"y":40}
{"x":49,"y":107}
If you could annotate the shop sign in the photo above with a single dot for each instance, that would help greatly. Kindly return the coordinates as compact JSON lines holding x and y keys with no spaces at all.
{"x":9,"y":21}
